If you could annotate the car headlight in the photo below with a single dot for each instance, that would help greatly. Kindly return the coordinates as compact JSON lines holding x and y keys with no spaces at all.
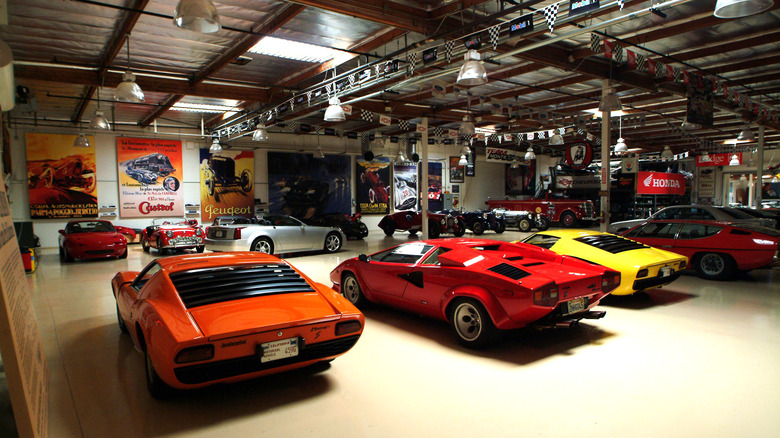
{"x":198,"y":232}
{"x":169,"y":233}
{"x":484,"y":216}
{"x":444,"y":221}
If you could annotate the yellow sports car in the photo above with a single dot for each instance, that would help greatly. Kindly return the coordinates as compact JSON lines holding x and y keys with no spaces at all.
{"x":641,"y":266}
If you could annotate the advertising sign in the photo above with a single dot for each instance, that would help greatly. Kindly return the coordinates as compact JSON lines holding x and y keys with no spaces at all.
{"x":227,"y":185}
{"x":577,"y":7}
{"x":457,"y":171}
{"x":62,"y":178}
{"x":629,"y":165}
{"x":405,"y":187}
{"x":520,"y":180}
{"x":577,"y":181}
{"x":496,"y":155}
{"x":716,"y":159}
{"x":660,"y":183}
{"x":706,"y":183}
{"x":305,"y":187}
{"x":435,"y":189}
{"x":373,"y":186}
{"x":579,"y":154}
{"x":150,"y":176}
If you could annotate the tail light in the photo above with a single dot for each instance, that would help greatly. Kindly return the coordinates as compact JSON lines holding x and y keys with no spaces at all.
{"x":610,"y":281}
{"x":346,"y":327}
{"x":195,"y":354}
{"x":237,"y":233}
{"x":547,"y":296}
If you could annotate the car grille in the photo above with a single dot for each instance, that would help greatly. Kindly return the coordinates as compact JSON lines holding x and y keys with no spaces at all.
{"x":251,"y":364}
{"x":183,"y":240}
{"x":509,"y":271}
{"x":208,"y":286}
{"x":609,"y":243}
{"x":450,"y":221}
{"x":588,"y":209}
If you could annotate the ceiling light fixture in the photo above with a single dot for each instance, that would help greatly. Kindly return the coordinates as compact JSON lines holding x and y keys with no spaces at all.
{"x":620,"y":146}
{"x":215,"y":147}
{"x":335,"y":113}
{"x":740,"y":8}
{"x":734,"y":160}
{"x":529,"y":154}
{"x":81,"y":141}
{"x":128,"y":90}
{"x":746,"y":134}
{"x":705,"y":157}
{"x":690,"y":126}
{"x":197,"y":15}
{"x":260,"y":134}
{"x":400,"y":159}
{"x":556,"y":139}
{"x":281,"y":48}
{"x":667,"y":154}
{"x":610,"y":102}
{"x":463,"y":161}
{"x":473,"y":72}
{"x":99,"y":121}
{"x":467,"y":128}
{"x":318,"y":154}
{"x":515,"y":163}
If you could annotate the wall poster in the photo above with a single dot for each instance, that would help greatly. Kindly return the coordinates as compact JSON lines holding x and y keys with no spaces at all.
{"x":227,"y":184}
{"x":435,"y":190}
{"x":405,"y":186}
{"x":373,"y":186}
{"x":521,"y":180}
{"x":61,"y":177}
{"x":457,"y":172}
{"x":150,"y":176}
{"x":305,"y":187}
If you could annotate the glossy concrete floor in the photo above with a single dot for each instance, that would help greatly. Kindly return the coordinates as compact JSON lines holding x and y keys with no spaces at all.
{"x":695,"y":359}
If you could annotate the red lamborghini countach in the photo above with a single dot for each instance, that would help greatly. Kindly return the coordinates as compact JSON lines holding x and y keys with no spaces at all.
{"x":479,"y":286}
{"x":202,"y":319}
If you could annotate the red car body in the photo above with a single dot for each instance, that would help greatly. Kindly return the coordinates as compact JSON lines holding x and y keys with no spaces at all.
{"x":502,"y":285}
{"x":411,"y":221}
{"x":91,"y":239}
{"x":130,"y":234}
{"x":214,"y":318}
{"x":170,"y":236}
{"x":716,"y":249}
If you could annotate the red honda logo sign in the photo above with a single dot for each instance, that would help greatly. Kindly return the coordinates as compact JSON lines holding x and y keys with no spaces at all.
{"x":659,"y":183}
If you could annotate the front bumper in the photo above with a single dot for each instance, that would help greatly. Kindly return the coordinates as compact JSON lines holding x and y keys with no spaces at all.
{"x":182,"y":243}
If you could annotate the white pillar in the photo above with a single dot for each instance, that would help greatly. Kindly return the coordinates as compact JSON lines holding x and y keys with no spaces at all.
{"x":424,"y":177}
{"x":605,"y":146}
{"x":759,"y":166}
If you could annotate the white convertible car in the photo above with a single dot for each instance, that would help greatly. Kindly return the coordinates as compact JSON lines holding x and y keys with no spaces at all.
{"x":273,"y":234}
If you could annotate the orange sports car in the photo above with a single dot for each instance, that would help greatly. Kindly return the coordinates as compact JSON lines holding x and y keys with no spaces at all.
{"x":201,"y":319}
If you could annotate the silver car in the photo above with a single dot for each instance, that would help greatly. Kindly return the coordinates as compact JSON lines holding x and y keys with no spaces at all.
{"x":273,"y":234}
{"x":700,"y":212}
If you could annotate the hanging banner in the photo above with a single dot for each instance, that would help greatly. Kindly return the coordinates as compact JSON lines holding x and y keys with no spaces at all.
{"x":579,"y":154}
{"x":150,"y":176}
{"x":373,"y":186}
{"x":306,"y":187}
{"x":62,"y":178}
{"x":471,"y":168}
{"x":227,"y":184}
{"x":405,"y":187}
{"x":700,"y":102}
{"x":716,"y":159}
{"x":496,"y":155}
{"x":660,"y":183}
{"x":577,"y":181}
{"x":577,"y":7}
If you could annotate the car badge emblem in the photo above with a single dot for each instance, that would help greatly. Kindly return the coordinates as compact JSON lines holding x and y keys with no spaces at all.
{"x":279,"y":334}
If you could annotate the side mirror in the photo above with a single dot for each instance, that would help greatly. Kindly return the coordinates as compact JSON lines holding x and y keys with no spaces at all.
{"x":363,"y":258}
{"x":62,"y":232}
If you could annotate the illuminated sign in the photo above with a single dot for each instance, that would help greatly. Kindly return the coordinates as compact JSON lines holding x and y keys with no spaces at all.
{"x":521,"y":25}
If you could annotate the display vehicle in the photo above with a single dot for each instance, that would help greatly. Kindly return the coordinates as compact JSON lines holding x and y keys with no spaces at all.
{"x":91,"y":239}
{"x":479,"y":286}
{"x":694,"y":212}
{"x":171,"y":235}
{"x":717,"y":250}
{"x":411,"y":221}
{"x":201,"y":319}
{"x":480,"y":221}
{"x":350,"y":225}
{"x":523,"y":220}
{"x":641,"y":267}
{"x":131,"y":234}
{"x":274,"y":234}
{"x":568,"y":212}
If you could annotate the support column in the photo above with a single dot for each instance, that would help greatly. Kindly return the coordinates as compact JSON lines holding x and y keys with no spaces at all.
{"x":606,"y":141}
{"x":759,"y":167}
{"x":424,"y":177}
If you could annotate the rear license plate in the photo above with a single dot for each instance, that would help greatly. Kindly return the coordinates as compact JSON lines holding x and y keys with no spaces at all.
{"x":279,"y":349}
{"x":666,"y":271}
{"x":575,"y":305}
{"x":219,"y":234}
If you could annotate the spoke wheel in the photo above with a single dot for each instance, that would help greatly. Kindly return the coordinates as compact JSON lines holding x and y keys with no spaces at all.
{"x":332,"y":242}
{"x":524,"y":225}
{"x":714,"y":266}
{"x":263,"y":244}
{"x":568,"y":219}
{"x":542,"y":224}
{"x":471,"y":324}
{"x":500,"y":227}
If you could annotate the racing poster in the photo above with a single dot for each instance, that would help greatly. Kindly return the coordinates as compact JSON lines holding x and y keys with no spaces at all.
{"x":405,"y":187}
{"x":305,"y":187}
{"x":521,"y":180}
{"x":373,"y":186}
{"x":226,"y":184}
{"x":61,"y":177}
{"x":150,"y":177}
{"x":435,"y":191}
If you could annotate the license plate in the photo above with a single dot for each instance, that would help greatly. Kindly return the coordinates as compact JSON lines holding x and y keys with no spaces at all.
{"x":279,"y":349}
{"x":575,"y":305}
{"x":219,"y":234}
{"x":666,"y":271}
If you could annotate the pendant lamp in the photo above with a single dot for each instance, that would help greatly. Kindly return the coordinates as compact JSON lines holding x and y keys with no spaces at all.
{"x":740,"y":8}
{"x":81,"y":141}
{"x":667,"y":154}
{"x":260,"y":134}
{"x":215,"y":147}
{"x":734,"y":160}
{"x":335,"y":113}
{"x":529,"y":154}
{"x":128,"y":90}
{"x":473,"y":72}
{"x":197,"y":15}
{"x":99,"y":121}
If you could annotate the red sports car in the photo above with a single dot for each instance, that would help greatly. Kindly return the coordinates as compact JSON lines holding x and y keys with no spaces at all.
{"x":205,"y":319}
{"x":717,"y":250}
{"x":173,"y":236}
{"x":412,"y":221}
{"x":91,"y":239}
{"x":479,"y":286}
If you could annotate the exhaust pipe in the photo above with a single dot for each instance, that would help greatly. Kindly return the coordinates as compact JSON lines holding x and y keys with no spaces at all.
{"x":567,"y":324}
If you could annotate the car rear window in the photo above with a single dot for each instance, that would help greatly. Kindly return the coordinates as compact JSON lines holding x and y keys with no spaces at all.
{"x":542,"y":240}
{"x":610,"y":243}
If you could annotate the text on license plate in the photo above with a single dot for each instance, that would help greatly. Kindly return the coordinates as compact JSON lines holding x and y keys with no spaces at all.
{"x":219,"y":234}
{"x":279,"y":349}
{"x":666,"y":271}
{"x":575,"y":305}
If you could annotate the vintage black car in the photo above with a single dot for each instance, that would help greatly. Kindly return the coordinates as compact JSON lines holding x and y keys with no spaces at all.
{"x":156,"y":162}
{"x":523,"y":220}
{"x":480,"y":221}
{"x":145,"y":177}
{"x":351,"y":225}
{"x":220,"y":171}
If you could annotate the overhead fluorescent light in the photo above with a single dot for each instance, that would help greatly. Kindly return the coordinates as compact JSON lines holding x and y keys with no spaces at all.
{"x":201,"y":108}
{"x":272,"y":46}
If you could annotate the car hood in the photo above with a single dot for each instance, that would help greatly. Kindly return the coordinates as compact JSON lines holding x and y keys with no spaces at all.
{"x":270,"y":312}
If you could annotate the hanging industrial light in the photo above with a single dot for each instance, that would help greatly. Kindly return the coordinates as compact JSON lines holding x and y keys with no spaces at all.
{"x":740,"y":8}
{"x":473,"y":72}
{"x":705,"y":157}
{"x":99,"y":121}
{"x":746,"y":134}
{"x":128,"y":90}
{"x":334,"y":113}
{"x":734,"y":160}
{"x":667,"y":154}
{"x":529,"y":154}
{"x":215,"y":147}
{"x":467,"y":128}
{"x":81,"y":141}
{"x":620,"y":146}
{"x":515,"y":163}
{"x":260,"y":134}
{"x":610,"y":102}
{"x":556,"y":139}
{"x":197,"y":15}
{"x":318,"y":154}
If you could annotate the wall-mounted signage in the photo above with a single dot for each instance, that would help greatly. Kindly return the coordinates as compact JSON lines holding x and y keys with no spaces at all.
{"x":521,"y":25}
{"x":577,"y":182}
{"x":579,"y":154}
{"x":716,"y":159}
{"x":496,"y":155}
{"x":470,"y":167}
{"x":473,"y":43}
{"x":352,"y":135}
{"x":430,"y":55}
{"x":577,"y":7}
{"x":391,"y":66}
{"x":660,"y":183}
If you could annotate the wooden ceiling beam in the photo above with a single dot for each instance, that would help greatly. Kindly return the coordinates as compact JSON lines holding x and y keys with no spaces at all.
{"x":378,"y":11}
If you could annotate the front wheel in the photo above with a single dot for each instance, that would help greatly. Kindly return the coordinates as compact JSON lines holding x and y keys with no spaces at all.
{"x":472,"y":324}
{"x":200,"y":248}
{"x":542,"y":224}
{"x":123,"y":255}
{"x":714,"y":266}
{"x":478,"y":228}
{"x":434,"y":229}
{"x":350,"y":289}
{"x":500,"y":227}
{"x":461,"y":230}
{"x":145,"y":244}
{"x":263,"y":244}
{"x":160,"y":249}
{"x":524,"y":225}
{"x":332,"y":242}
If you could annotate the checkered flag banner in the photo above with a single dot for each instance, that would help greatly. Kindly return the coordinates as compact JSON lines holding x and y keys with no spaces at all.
{"x":403,"y":124}
{"x":308,"y":98}
{"x":493,"y":32}
{"x":494,"y":137}
{"x":317,"y":129}
{"x":364,"y":136}
{"x":640,"y":62}
{"x":352,"y":80}
{"x":540,"y":135}
{"x":597,"y":141}
{"x":580,"y":131}
{"x":550,"y":14}
{"x":677,"y":73}
{"x":366,"y":116}
{"x":340,"y":133}
{"x":412,"y":62}
{"x":621,"y":3}
{"x":618,"y":53}
{"x":595,"y":42}
{"x":437,"y":131}
{"x":292,"y":126}
{"x":449,"y":46}
{"x":660,"y":69}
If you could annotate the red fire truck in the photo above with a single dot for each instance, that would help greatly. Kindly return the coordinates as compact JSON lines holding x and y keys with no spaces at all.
{"x":568,"y":212}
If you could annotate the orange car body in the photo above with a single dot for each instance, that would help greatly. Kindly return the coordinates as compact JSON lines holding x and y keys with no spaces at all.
{"x":235,"y":307}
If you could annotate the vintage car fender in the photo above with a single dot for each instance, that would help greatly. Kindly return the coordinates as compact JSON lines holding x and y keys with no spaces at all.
{"x":493,"y":307}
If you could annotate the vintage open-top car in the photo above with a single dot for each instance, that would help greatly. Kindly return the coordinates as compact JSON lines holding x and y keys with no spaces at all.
{"x":220,"y":171}
{"x":479,"y":286}
{"x":173,"y":235}
{"x":215,"y":318}
{"x":91,"y":239}
{"x":480,"y":221}
{"x":411,"y":221}
{"x":523,"y":220}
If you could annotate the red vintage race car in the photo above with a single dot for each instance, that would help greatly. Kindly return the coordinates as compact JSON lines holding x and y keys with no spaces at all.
{"x":377,"y":189}
{"x":166,"y":235}
{"x":206,"y":319}
{"x":479,"y":286}
{"x":91,"y":239}
{"x":411,"y":221}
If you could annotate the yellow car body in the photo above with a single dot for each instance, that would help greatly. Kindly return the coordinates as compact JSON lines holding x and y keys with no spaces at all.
{"x":641,"y":266}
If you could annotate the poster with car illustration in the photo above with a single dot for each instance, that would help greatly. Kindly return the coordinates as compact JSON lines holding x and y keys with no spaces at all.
{"x":61,"y":177}
{"x":227,"y":184}
{"x":373,"y":186}
{"x":405,"y":186}
{"x":324,"y":187}
{"x":150,"y":177}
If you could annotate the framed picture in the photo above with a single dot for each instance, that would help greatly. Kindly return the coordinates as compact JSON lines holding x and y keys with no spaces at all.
{"x":455,"y":189}
{"x":457,"y":172}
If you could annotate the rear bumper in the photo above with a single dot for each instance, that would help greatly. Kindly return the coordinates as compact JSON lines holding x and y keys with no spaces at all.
{"x":648,"y":283}
{"x":227,"y":245}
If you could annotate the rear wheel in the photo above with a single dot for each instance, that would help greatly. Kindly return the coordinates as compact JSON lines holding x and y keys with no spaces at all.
{"x":714,"y":266}
{"x":263,"y":244}
{"x":461,"y":230}
{"x":542,"y":224}
{"x":500,"y":227}
{"x":160,"y":249}
{"x":478,"y":228}
{"x":351,"y":290}
{"x":568,"y":219}
{"x":434,"y":229}
{"x":200,"y":248}
{"x":524,"y":225}
{"x":124,"y":254}
{"x":389,"y":228}
{"x":157,"y":388}
{"x":332,"y":242}
{"x":471,"y":324}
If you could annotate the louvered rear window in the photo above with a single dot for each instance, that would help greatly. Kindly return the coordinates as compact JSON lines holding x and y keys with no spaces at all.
{"x":509,"y":271}
{"x":610,"y":243}
{"x":209,"y":286}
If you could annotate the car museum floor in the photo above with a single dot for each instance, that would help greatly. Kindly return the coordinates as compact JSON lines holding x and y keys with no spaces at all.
{"x":694,"y":359}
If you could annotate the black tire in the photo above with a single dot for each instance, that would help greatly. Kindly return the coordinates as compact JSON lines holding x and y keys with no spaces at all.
{"x":471,"y":323}
{"x":389,"y":228}
{"x":332,"y":242}
{"x":714,"y":266}
{"x":461,"y":230}
{"x":122,"y":326}
{"x":160,"y":249}
{"x":542,"y":224}
{"x":412,"y":232}
{"x":200,"y":248}
{"x":477,"y":228}
{"x":350,"y":289}
{"x":434,"y":229}
{"x":568,"y":219}
{"x":363,"y":231}
{"x":524,"y":225}
{"x":157,"y":388}
{"x":246,"y":180}
{"x":66,"y":256}
{"x":145,"y":245}
{"x":62,"y":254}
{"x":500,"y":227}
{"x":124,"y":254}
{"x":262,"y":244}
